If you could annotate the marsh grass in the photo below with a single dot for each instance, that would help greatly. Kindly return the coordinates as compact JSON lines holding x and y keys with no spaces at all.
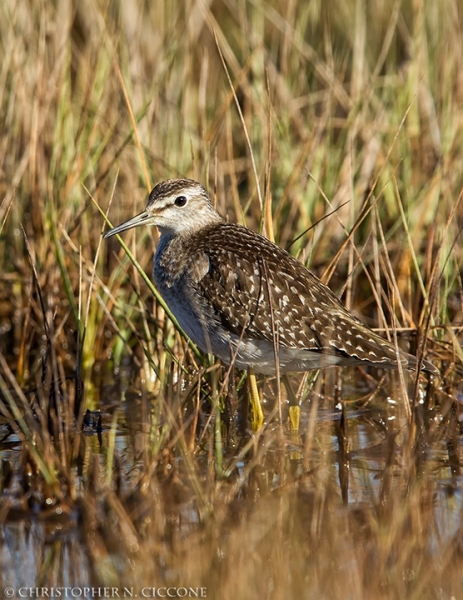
{"x":124,"y":449}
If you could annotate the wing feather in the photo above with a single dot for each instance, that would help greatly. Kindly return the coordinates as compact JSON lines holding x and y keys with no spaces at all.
{"x":256,"y":289}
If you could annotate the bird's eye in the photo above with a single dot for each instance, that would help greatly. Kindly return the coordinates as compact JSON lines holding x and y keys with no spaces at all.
{"x":181,"y":201}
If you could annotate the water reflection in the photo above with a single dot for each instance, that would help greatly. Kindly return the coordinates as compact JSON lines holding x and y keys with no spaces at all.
{"x":358,"y":500}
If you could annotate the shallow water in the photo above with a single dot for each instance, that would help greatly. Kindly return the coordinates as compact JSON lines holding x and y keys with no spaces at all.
{"x":351,"y":481}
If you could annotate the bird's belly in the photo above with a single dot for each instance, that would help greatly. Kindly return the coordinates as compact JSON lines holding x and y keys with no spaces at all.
{"x":260,"y":354}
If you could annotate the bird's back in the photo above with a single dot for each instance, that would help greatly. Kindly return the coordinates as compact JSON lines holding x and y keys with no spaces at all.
{"x":239,"y":289}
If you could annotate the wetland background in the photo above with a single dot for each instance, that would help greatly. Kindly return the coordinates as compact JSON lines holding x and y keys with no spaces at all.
{"x":126,"y":456}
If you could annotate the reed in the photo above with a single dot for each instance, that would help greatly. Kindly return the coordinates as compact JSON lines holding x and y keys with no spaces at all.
{"x":336,"y":129}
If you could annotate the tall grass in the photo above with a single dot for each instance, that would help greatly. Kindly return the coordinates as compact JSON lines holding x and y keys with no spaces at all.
{"x":287,"y":112}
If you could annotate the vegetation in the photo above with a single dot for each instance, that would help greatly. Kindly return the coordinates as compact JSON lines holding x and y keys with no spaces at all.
{"x":337,"y":129}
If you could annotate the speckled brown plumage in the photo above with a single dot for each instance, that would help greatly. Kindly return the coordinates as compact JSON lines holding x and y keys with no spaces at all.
{"x":241,"y":297}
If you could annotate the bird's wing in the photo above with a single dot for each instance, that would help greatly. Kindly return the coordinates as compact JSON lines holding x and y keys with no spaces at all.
{"x":256,"y":289}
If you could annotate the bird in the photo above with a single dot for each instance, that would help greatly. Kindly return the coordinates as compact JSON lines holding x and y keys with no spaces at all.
{"x":248,"y":301}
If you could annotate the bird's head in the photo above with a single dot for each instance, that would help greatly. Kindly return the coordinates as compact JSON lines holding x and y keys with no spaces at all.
{"x":175,"y":206}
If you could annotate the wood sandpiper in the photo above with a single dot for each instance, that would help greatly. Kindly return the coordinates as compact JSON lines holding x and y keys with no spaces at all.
{"x":246,"y":300}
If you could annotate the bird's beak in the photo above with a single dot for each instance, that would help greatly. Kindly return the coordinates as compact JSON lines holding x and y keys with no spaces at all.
{"x":144,"y":218}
